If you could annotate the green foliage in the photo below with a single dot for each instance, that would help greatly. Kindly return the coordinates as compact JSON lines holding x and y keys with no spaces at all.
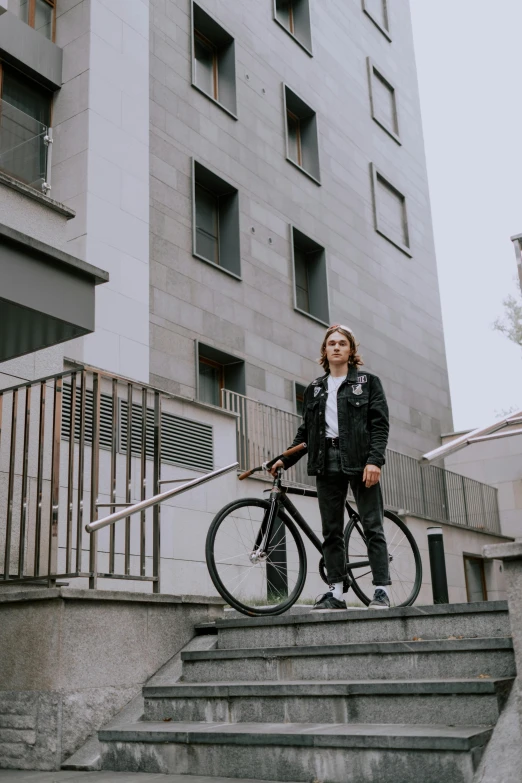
{"x":511,"y":324}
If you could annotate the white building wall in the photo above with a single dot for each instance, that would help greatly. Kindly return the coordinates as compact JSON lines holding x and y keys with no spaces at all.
{"x":101,"y":169}
{"x":499,"y":463}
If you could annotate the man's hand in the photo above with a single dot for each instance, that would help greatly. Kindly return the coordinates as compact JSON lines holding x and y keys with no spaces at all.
{"x":278,"y":464}
{"x":371,"y":475}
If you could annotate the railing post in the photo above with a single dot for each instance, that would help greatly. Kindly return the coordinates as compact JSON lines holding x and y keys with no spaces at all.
{"x":81,"y":467}
{"x":95,"y":464}
{"x":128,"y":478}
{"x":25,"y":499}
{"x":10,"y":488}
{"x":48,"y":141}
{"x":156,"y":512}
{"x":55,"y":484}
{"x":114,"y":453}
{"x":466,"y":517}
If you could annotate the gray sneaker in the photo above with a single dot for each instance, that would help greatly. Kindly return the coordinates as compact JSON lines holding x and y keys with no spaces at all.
{"x":327,"y":603}
{"x":380,"y":600}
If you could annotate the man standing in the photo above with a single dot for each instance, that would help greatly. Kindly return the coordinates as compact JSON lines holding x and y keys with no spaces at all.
{"x":345,"y":426}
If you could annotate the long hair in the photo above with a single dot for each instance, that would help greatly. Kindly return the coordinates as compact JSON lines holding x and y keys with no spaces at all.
{"x":354,"y":360}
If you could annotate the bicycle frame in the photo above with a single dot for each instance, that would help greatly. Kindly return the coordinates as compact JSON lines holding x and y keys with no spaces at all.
{"x":279,"y":498}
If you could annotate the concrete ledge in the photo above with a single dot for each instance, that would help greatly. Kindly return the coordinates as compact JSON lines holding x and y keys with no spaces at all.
{"x":74,"y":594}
{"x":511,"y":551}
{"x":36,"y":195}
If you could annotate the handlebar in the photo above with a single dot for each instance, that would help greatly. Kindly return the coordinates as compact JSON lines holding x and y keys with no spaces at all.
{"x":268,"y":465}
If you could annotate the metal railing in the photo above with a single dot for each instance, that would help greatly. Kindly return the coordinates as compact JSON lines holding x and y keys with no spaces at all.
{"x":25,"y":147}
{"x":79,"y":442}
{"x":429,"y":491}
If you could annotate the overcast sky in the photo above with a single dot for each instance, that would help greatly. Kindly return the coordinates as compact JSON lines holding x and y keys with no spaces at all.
{"x":470,"y":78}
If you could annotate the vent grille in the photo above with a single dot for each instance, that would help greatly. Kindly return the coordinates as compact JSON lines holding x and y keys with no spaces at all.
{"x":184,"y":442}
{"x":105,"y":416}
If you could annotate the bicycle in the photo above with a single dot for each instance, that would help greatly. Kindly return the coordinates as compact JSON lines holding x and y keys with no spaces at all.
{"x":257,"y":559}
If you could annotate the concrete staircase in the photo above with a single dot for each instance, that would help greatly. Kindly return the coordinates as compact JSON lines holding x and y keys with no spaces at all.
{"x":398,"y":696}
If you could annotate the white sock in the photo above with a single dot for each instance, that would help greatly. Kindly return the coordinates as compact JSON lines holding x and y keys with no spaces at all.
{"x":382,"y":587}
{"x":337,"y":590}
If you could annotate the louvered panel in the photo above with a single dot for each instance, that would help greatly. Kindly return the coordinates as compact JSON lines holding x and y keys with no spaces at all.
{"x":183,"y":442}
{"x":105,"y":416}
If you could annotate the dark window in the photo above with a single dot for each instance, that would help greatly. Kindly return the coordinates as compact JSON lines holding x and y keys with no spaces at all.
{"x":383,"y":102}
{"x":213,"y":61}
{"x":301,"y":135}
{"x":299,"y":398}
{"x":216,"y":220}
{"x":294,"y":17}
{"x":391,"y":218}
{"x":25,"y":111}
{"x":218,"y":371}
{"x":377,"y":10}
{"x":475,"y":579}
{"x":310,"y":278}
{"x":40,"y":14}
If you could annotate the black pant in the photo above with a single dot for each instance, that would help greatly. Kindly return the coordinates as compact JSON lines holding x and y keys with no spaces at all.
{"x":332,"y":488}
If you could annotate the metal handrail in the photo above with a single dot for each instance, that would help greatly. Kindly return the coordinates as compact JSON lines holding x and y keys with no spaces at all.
{"x":471,"y":437}
{"x":95,"y":525}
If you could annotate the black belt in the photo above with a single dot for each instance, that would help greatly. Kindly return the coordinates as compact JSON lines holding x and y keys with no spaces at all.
{"x":332,"y":442}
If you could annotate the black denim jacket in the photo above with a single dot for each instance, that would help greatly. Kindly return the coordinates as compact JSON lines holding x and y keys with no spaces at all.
{"x":363,"y":417}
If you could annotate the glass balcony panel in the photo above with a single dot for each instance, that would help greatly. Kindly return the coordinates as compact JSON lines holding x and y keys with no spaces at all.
{"x":23,"y":151}
{"x":43,"y":18}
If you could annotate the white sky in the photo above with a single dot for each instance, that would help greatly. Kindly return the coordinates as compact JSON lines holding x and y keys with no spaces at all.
{"x":469,"y":64}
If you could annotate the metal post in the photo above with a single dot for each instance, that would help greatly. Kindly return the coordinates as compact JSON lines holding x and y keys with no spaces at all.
{"x":156,"y":529}
{"x":439,"y":580}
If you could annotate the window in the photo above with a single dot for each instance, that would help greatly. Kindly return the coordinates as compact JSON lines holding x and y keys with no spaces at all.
{"x":377,"y":10}
{"x":475,"y":578}
{"x":299,"y":398}
{"x":213,"y":60}
{"x":218,"y":370}
{"x":310,"y":278}
{"x":40,"y":14}
{"x":216,"y":221}
{"x":294,"y":17}
{"x":383,"y":101}
{"x":302,"y":146}
{"x":25,"y":110}
{"x":391,"y":219}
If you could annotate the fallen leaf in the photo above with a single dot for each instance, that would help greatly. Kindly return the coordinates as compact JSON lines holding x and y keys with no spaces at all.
{"x":484,"y":676}
{"x":167,"y":719}
{"x":417,"y":639}
{"x":453,"y":637}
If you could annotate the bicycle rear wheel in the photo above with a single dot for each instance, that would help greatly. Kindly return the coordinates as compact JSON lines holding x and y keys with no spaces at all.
{"x":253,"y":582}
{"x":404,"y":555}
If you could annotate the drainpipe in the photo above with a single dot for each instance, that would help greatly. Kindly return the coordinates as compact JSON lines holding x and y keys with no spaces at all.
{"x":517,"y":241}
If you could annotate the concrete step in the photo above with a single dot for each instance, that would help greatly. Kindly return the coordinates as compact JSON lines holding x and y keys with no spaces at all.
{"x":486,"y":618}
{"x":337,"y":753}
{"x":437,"y":659}
{"x":455,"y":702}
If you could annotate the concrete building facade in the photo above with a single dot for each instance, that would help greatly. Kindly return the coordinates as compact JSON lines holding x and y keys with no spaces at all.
{"x":295,"y":129}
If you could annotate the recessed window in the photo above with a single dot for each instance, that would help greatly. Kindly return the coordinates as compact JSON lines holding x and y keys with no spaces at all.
{"x":377,"y":10}
{"x":391,"y":219}
{"x":294,"y":17}
{"x":302,"y":146}
{"x":219,"y":373}
{"x":40,"y":14}
{"x":310,"y":278}
{"x":25,"y":110}
{"x":216,"y":221}
{"x":299,"y":398}
{"x":213,"y":60}
{"x":475,"y":579}
{"x":383,"y":101}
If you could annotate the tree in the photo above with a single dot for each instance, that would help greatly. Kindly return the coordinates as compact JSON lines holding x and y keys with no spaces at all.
{"x":511,"y":324}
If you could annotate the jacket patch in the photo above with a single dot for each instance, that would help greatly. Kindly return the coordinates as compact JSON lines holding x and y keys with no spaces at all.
{"x":362,"y":379}
{"x":357,"y":389}
{"x":317,"y":391}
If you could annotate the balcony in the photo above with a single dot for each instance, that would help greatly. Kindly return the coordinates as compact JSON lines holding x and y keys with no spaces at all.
{"x":25,"y":147}
{"x":263,"y":432}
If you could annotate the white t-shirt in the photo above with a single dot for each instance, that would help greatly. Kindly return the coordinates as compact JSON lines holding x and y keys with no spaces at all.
{"x":332,"y":424}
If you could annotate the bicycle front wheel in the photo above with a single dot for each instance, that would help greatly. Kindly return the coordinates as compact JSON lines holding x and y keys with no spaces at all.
{"x":252,"y":581}
{"x":404,"y":557}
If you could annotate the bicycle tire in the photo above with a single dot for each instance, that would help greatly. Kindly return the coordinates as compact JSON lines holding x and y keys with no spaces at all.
{"x":416,"y":581}
{"x":233,"y":600}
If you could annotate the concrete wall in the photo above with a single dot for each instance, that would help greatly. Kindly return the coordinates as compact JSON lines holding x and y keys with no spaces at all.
{"x":373,"y":286}
{"x":77,"y":659}
{"x":101,"y":167}
{"x":496,"y":462}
